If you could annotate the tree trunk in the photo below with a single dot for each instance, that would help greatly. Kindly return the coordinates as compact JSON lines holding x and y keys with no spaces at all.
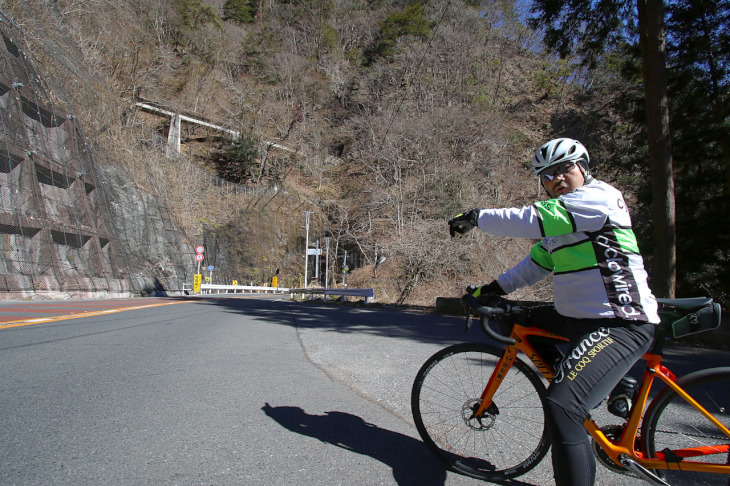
{"x":653,"y":46}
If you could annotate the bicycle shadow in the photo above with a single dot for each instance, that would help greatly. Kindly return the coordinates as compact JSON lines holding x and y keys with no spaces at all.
{"x":410,"y":460}
{"x":412,"y":463}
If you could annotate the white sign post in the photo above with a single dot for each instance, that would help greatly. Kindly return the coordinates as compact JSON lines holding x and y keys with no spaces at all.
{"x":326,"y":263}
{"x":199,"y":250}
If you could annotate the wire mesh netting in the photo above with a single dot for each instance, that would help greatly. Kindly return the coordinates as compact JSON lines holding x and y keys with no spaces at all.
{"x":54,"y":236}
{"x":71,"y":225}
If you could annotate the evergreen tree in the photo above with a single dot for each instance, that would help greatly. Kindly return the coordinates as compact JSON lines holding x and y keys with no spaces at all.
{"x":238,"y":162}
{"x":698,"y":79}
{"x":699,"y":87}
{"x":605,"y":24}
{"x":239,"y":11}
{"x":195,"y":14}
{"x":411,"y":21}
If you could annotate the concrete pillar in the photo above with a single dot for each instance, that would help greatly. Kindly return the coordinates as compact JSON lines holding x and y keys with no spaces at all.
{"x":173,"y":137}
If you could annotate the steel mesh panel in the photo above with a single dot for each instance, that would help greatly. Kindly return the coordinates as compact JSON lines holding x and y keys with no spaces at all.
{"x":50,"y":217}
{"x":62,"y":227}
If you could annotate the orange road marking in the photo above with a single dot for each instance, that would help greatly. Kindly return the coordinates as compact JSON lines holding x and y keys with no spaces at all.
{"x":43,"y":320}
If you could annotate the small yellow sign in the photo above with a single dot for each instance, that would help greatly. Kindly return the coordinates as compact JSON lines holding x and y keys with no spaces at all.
{"x":196,"y":283}
{"x":275,"y":282}
{"x":235,"y":282}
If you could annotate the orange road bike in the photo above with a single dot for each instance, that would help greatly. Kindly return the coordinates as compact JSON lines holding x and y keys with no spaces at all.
{"x":478,"y":407}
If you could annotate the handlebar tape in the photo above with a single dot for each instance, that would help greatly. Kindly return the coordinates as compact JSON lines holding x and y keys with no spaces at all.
{"x":486,"y":313}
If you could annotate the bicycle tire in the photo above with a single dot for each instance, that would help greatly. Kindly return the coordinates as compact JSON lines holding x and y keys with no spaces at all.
{"x":506,"y":444}
{"x":671,"y":423}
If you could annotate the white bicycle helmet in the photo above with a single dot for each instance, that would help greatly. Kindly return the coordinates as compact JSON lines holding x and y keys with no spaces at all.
{"x":558,"y":151}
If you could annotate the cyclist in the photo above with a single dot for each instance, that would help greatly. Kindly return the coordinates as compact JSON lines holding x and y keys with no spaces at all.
{"x":602,"y":301}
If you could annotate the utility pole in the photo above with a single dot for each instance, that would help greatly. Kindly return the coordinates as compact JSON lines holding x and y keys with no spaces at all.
{"x":326,"y":261}
{"x":316,"y":259}
{"x":306,"y":248}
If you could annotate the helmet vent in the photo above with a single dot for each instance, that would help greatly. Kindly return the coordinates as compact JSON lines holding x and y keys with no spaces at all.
{"x":558,"y":151}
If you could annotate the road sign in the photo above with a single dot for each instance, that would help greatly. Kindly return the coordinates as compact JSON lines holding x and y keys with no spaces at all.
{"x":314,"y":251}
{"x":199,"y":249}
{"x":196,"y":283}
{"x":199,"y":257}
{"x":210,"y":268}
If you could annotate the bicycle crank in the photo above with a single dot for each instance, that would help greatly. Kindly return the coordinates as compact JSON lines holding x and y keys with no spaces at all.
{"x":483,"y":422}
{"x":628,"y":466}
{"x":641,"y":471}
{"x":612,"y":432}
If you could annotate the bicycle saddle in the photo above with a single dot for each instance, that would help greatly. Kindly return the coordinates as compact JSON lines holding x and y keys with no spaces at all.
{"x":688,"y":303}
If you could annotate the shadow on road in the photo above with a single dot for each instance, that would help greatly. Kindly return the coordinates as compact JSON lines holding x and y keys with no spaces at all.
{"x":411,"y":461}
{"x":345,"y":319}
{"x":419,"y":326}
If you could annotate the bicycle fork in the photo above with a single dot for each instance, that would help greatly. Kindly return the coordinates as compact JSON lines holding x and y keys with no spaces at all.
{"x":486,"y":404}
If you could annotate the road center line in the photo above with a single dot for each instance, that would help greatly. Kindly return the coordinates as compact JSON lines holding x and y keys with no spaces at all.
{"x":30,"y":322}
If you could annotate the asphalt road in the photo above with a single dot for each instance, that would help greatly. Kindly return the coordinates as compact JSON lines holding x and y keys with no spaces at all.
{"x":226,"y":391}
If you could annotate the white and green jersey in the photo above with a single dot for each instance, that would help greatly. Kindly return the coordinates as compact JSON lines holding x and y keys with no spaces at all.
{"x":589,"y":247}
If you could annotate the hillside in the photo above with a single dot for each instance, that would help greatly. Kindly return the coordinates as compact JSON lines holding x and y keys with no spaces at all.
{"x":388,"y":118}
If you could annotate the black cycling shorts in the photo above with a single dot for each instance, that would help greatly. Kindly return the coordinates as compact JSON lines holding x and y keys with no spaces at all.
{"x":600,"y":353}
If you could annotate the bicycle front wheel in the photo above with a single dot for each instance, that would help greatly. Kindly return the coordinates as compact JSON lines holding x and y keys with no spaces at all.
{"x":508,"y":441}
{"x":672,"y":424}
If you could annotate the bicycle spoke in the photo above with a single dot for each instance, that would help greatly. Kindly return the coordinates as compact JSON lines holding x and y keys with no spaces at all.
{"x":674,"y":427}
{"x":509,"y":437}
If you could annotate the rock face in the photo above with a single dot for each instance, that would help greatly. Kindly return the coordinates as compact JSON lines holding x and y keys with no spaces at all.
{"x":70,"y":226}
{"x":158,"y":256}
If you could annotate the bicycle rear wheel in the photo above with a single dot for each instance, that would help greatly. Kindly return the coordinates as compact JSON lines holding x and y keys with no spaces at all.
{"x":508,"y":441}
{"x":672,"y":423}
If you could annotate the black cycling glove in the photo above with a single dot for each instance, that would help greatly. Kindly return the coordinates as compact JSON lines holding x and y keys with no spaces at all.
{"x":492,"y":289}
{"x":461,"y":223}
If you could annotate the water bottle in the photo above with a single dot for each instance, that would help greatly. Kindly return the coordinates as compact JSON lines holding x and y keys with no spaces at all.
{"x":621,"y":397}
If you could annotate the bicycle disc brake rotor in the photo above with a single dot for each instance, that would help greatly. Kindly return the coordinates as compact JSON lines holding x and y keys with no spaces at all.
{"x":468,"y":411}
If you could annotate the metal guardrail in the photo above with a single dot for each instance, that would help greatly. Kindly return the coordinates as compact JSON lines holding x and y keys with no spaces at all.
{"x":346,"y":292}
{"x":235,"y":289}
{"x":242,"y":289}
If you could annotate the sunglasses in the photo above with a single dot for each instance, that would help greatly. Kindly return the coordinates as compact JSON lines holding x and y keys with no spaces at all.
{"x":553,"y":172}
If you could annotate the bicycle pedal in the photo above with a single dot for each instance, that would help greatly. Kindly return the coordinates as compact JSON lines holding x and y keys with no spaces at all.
{"x":641,"y":471}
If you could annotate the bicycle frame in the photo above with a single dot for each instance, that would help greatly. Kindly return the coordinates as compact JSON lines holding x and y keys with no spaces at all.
{"x":519,"y":334}
{"x":627,"y":444}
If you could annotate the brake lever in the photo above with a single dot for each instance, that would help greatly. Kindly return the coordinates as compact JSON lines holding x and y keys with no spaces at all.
{"x":467,"y":327}
{"x":486,"y":319}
